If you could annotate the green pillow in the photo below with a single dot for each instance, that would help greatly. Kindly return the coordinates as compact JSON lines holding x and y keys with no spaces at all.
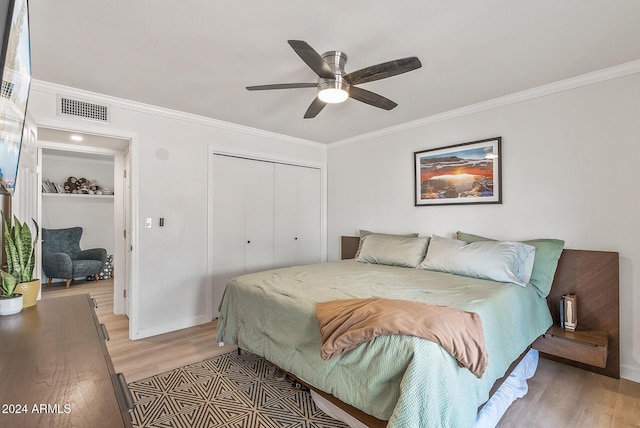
{"x":548,"y":252}
{"x":404,"y":251}
{"x":364,"y":233}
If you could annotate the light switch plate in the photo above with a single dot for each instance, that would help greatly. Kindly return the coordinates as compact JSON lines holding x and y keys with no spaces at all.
{"x":147,"y":222}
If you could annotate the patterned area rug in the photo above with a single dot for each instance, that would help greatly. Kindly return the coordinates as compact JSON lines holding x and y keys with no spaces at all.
{"x":229,"y":390}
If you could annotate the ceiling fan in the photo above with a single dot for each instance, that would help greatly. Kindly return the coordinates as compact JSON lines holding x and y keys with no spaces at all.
{"x":334,"y":85}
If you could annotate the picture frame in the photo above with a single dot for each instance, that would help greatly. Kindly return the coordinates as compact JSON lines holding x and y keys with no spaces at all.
{"x":15,"y":69}
{"x":460,"y":174}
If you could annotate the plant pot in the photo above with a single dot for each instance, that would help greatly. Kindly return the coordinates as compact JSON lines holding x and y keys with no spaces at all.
{"x":29,"y":291}
{"x":10,"y":305}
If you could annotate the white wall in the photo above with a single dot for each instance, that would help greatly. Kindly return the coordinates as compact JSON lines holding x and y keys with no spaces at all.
{"x":59,"y":165}
{"x":93,"y":213}
{"x":569,"y":163}
{"x":570,"y":166}
{"x":171,"y":280}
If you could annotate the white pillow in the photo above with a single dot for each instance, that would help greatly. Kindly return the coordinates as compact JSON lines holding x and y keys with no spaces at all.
{"x":391,"y":250}
{"x":502,"y":261}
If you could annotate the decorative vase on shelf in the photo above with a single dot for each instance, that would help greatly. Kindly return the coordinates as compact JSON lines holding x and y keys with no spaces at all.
{"x":29,"y":291}
{"x":11,"y":305}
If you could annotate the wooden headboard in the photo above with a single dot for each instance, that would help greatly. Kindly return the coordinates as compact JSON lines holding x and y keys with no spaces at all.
{"x":349,"y":247}
{"x":594,"y":277}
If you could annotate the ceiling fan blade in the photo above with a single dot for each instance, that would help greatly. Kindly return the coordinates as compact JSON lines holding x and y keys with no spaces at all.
{"x":384,"y":70}
{"x":312,"y":59}
{"x":282,"y":86}
{"x":371,"y":98}
{"x":316,"y":107}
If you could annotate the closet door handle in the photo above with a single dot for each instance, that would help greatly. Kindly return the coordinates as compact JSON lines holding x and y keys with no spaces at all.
{"x":128,"y":398}
{"x":105,"y":333}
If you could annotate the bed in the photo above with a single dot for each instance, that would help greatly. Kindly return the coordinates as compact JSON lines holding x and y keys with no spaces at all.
{"x":400,"y":380}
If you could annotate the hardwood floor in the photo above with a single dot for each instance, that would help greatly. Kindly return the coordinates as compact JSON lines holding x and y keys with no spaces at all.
{"x":142,"y":358}
{"x":564,"y":396}
{"x":558,"y":395}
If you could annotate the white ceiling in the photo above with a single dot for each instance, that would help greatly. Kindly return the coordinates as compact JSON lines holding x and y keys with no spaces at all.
{"x":197,"y":56}
{"x":88,"y":141}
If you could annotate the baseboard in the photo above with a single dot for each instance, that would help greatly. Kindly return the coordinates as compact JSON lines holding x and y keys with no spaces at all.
{"x":630,"y":373}
{"x":167,"y":328}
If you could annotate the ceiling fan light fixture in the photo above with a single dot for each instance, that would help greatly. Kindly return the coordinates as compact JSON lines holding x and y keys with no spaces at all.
{"x":333,"y":95}
{"x":333,"y":91}
{"x":334,"y":85}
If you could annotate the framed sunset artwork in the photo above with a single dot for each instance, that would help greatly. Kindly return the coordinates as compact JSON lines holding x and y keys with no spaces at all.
{"x":467,"y":173}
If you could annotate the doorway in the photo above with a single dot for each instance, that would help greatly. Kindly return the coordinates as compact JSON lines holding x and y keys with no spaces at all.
{"x":63,"y":154}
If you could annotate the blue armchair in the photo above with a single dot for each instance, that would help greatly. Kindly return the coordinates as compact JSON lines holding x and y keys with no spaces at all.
{"x":63,"y":258}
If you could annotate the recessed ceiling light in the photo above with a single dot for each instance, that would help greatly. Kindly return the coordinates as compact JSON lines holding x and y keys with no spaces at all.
{"x":77,"y":138}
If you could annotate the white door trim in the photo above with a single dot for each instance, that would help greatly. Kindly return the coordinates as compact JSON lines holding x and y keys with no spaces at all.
{"x":131,"y":276}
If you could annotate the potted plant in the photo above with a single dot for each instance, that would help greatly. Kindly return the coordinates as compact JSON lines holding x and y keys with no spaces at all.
{"x":21,"y":251}
{"x":10,"y":301}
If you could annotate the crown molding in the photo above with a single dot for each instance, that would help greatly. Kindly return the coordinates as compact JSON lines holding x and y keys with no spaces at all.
{"x":615,"y":72}
{"x":55,"y":89}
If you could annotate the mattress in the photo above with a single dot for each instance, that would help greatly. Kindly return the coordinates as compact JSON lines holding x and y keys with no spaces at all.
{"x":403,"y":379}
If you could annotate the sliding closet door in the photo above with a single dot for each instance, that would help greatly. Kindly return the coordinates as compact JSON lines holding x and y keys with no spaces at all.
{"x":242,"y":219}
{"x":265,"y":215}
{"x":297,"y":218}
{"x":258,"y":215}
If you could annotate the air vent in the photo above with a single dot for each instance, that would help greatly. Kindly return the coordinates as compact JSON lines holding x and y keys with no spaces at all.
{"x":6,"y":90}
{"x":84,"y":109}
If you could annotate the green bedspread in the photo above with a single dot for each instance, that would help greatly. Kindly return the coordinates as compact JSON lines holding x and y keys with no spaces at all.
{"x":407,"y":380}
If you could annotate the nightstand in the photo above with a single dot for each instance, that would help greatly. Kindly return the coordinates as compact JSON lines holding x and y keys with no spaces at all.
{"x":587,"y":346}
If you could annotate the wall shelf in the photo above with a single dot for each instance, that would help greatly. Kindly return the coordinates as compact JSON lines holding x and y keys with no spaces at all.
{"x":76,"y":195}
{"x":588,"y":346}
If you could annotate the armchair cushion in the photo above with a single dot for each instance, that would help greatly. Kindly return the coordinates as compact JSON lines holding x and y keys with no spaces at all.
{"x":57,"y":265}
{"x":63,"y":258}
{"x":86,"y":267}
{"x":93,"y":254}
